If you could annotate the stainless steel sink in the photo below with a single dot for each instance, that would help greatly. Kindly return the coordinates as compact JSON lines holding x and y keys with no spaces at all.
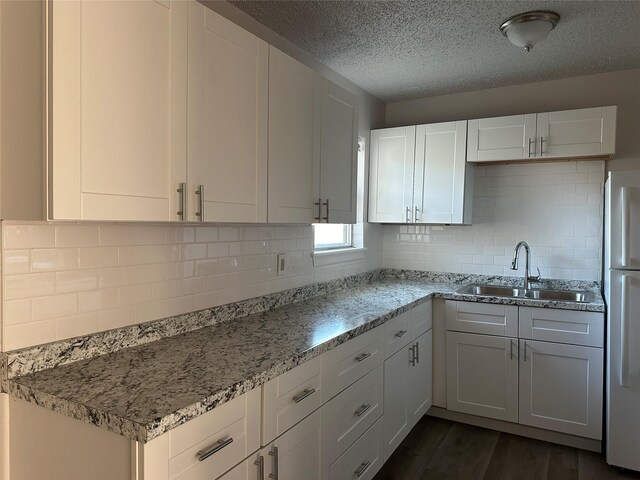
{"x":562,"y":295}
{"x":534,"y":293}
{"x":492,"y":290}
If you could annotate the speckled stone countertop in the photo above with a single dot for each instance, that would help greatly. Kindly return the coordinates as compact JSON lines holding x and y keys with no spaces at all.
{"x":146,"y":390}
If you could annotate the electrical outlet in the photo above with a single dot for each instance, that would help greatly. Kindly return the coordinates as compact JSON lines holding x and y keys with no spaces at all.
{"x":281,"y":267}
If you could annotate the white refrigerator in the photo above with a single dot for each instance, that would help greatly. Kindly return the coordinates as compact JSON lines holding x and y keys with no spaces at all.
{"x":622,"y":295}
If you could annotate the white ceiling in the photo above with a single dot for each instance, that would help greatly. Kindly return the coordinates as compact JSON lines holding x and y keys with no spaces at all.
{"x":399,"y":50}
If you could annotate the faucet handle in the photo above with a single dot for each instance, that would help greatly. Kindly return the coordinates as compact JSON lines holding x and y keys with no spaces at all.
{"x":535,"y":278}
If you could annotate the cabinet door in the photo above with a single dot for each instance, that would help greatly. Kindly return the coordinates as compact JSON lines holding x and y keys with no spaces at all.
{"x":577,"y":133}
{"x":482,"y":375}
{"x":502,"y":138}
{"x":294,"y":139}
{"x":249,"y":469}
{"x":440,"y":172}
{"x":338,"y":154}
{"x":227,"y":119}
{"x":397,"y":417}
{"x":561,"y":388}
{"x":391,"y":175}
{"x":420,"y":376}
{"x":297,"y":453}
{"x":117,"y":108}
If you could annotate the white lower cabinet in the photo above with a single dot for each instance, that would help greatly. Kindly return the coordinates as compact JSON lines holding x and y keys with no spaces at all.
{"x":561,"y":388}
{"x":556,"y":384}
{"x":297,"y":454}
{"x":482,"y":375}
{"x":407,"y":390}
{"x":363,"y":459}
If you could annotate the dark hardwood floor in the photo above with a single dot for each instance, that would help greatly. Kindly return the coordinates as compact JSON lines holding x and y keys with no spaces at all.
{"x":439,"y":449}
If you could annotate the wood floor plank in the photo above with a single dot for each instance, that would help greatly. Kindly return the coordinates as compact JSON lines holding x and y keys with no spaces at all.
{"x":592,"y":466}
{"x":464,"y":454}
{"x":563,"y":463}
{"x":416,"y":451}
{"x":518,"y":458}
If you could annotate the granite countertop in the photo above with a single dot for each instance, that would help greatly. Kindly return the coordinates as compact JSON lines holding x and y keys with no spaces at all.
{"x":146,"y":390}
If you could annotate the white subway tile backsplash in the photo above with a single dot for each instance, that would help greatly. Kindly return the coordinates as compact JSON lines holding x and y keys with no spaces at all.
{"x":556,"y":207}
{"x":67,"y":279}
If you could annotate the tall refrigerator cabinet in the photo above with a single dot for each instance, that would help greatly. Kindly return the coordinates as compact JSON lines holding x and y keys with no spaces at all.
{"x":622,"y":295}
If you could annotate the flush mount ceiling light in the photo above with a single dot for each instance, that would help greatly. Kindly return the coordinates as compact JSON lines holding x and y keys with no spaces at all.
{"x":527,"y":29}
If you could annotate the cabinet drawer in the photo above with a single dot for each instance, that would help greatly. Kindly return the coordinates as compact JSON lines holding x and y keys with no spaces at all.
{"x":363,"y":459}
{"x":350,"y":414}
{"x":236,"y":423}
{"x":291,"y":397}
{"x":421,"y":319}
{"x":397,"y":333}
{"x":347,"y":363}
{"x":485,"y":318}
{"x":562,"y":326}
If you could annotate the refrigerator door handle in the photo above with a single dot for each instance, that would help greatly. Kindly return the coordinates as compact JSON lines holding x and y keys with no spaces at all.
{"x":625,"y":379}
{"x":624,"y":248}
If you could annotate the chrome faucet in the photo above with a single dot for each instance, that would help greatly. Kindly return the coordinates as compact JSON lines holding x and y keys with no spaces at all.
{"x":514,"y":265}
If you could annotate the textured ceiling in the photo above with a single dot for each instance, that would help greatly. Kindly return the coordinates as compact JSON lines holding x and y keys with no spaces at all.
{"x":399,"y":50}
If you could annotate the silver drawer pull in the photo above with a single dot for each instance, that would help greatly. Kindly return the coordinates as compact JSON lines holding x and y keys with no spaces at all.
{"x":260,"y":464}
{"x":362,"y":468}
{"x":304,"y":394}
{"x":361,"y":411}
{"x":362,"y":356}
{"x":219,"y":445}
{"x":401,"y":333}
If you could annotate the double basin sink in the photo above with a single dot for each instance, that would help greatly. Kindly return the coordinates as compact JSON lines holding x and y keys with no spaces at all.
{"x":533,"y":293}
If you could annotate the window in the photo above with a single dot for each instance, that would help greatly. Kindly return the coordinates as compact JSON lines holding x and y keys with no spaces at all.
{"x":332,"y":236}
{"x":327,"y":237}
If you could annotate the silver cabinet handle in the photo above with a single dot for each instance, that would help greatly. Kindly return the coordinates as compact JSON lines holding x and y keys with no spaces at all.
{"x":326,"y":204}
{"x":525,"y":351}
{"x":219,"y":445}
{"x":532,"y":140}
{"x":260,"y":464}
{"x":182,"y":212}
{"x":274,"y":454}
{"x":362,"y":356}
{"x":362,"y":468}
{"x":200,"y":193}
{"x":511,"y":349}
{"x":415,"y":218}
{"x":541,"y":142}
{"x":408,"y":217}
{"x":319,"y":205}
{"x":361,"y":411}
{"x":401,"y":333}
{"x":304,"y":394}
{"x":417,"y":352}
{"x":412,"y":360}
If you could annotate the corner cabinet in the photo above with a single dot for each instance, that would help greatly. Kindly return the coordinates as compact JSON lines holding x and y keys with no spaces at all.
{"x":419,"y":175}
{"x":113,"y":136}
{"x":588,"y":132}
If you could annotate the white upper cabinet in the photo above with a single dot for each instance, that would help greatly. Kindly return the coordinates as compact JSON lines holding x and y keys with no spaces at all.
{"x":227,"y":121}
{"x":391,"y":177}
{"x":441,"y":172}
{"x":502,"y":138}
{"x":577,"y":133}
{"x":588,"y":132}
{"x":338,"y":155}
{"x":113,"y":132}
{"x":294,"y":139}
{"x":419,"y":175}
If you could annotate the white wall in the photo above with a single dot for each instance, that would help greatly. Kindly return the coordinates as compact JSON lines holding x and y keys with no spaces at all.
{"x":615,"y":88}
